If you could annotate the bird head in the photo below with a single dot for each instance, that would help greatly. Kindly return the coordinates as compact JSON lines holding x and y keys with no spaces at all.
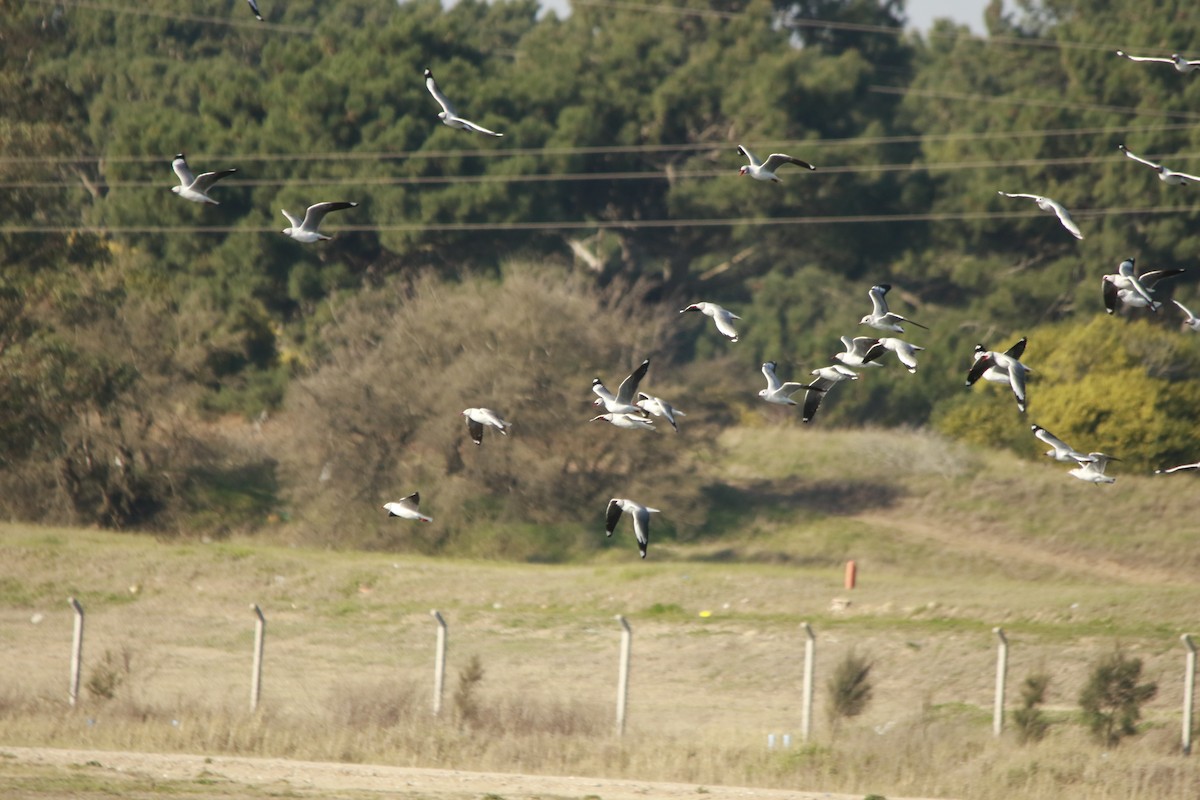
{"x":762,"y":392}
{"x":743,"y":170}
{"x":176,"y":189}
{"x":865,"y":320}
{"x":442,"y":116}
{"x":692,"y":307}
{"x":602,"y":416}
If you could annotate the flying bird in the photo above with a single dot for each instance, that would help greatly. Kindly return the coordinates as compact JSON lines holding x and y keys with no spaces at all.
{"x":641,"y":520}
{"x":1180,"y":468}
{"x":659,"y":408}
{"x":1061,"y":451}
{"x":1092,"y":470}
{"x":254,"y":8}
{"x":635,"y":422}
{"x":1192,"y":322}
{"x":880,"y":318}
{"x":1167,"y":176}
{"x":827,"y":378}
{"x":195,"y":187}
{"x":861,"y":351}
{"x":1181,"y":64}
{"x":905,"y":351}
{"x":1126,"y":286}
{"x":765,"y":170}
{"x":778,"y":392}
{"x":306,"y":230}
{"x":448,"y":115}
{"x":406,"y":508}
{"x":722,"y":317}
{"x":477,"y":418}
{"x":1003,"y":367}
{"x":1053,"y":207}
{"x":622,"y":402}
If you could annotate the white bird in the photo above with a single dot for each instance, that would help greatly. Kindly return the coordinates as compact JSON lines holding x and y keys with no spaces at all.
{"x":1181,"y":64}
{"x":306,"y":230}
{"x":659,"y":408}
{"x":778,"y":392}
{"x":905,"y":351}
{"x":254,"y":8}
{"x":1167,"y":176}
{"x":1003,"y":367}
{"x":195,"y":187}
{"x":641,"y":519}
{"x":406,"y":508}
{"x":622,"y":402}
{"x":861,"y":351}
{"x":722,"y":317}
{"x":765,"y":170}
{"x":880,"y":318}
{"x":1126,"y":286}
{"x":448,"y":115}
{"x":1180,"y":468}
{"x":1053,"y":207}
{"x":827,"y":378}
{"x":635,"y":422}
{"x":1192,"y":322}
{"x":478,"y":417}
{"x":1092,"y":470}
{"x":1061,"y":451}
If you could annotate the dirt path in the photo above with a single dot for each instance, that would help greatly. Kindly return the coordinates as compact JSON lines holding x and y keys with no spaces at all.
{"x":224,"y":776}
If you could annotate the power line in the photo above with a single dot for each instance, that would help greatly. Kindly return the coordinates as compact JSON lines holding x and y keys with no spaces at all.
{"x":1023,"y":101}
{"x":273,"y":27}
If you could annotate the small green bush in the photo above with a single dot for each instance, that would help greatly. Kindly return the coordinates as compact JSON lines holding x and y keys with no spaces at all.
{"x":1030,"y":720}
{"x":1112,"y":699}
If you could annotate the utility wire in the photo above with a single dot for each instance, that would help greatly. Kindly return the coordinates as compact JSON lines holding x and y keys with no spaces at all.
{"x":273,"y":27}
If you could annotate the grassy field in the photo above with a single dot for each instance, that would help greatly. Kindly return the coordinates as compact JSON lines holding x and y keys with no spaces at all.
{"x":949,"y":543}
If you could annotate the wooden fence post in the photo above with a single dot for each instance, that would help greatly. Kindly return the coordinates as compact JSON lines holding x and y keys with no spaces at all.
{"x":1189,"y":689}
{"x":1001,"y":679}
{"x":623,"y":674}
{"x":810,"y":654}
{"x":76,"y":651}
{"x":260,"y":628}
{"x":439,"y":663}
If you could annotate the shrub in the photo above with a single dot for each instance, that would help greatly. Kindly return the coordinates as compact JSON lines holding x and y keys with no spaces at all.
{"x":466,"y":703}
{"x":850,"y":687}
{"x":1030,"y":720}
{"x":1112,"y":699}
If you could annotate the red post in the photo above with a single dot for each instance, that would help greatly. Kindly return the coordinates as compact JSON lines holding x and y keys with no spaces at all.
{"x":851,"y":573}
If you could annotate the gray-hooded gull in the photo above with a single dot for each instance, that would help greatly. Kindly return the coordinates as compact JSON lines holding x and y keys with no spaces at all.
{"x":880,"y":317}
{"x":861,"y":351}
{"x":1003,"y":367}
{"x":827,"y":378}
{"x":623,"y":401}
{"x":765,"y":170}
{"x":407,"y":508}
{"x":254,"y":8}
{"x":1052,"y":207}
{"x":641,"y":519}
{"x":634,"y":422}
{"x":195,"y":187}
{"x":1092,"y":470}
{"x":305,"y":230}
{"x":1060,"y":450}
{"x":659,"y":408}
{"x":1180,"y":63}
{"x":723,"y":318}
{"x":1167,"y":176}
{"x":779,"y":392}
{"x":1126,"y":286}
{"x":905,"y":351}
{"x":1192,"y":322}
{"x":448,"y":115}
{"x":477,"y":418}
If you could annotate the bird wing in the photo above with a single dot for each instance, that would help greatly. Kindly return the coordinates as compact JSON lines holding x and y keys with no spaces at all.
{"x":317,"y":212}
{"x":777,"y":160}
{"x":475,"y":428}
{"x":182,"y":172}
{"x":979,"y":367}
{"x":791,"y":387}
{"x":254,"y":8}
{"x":492,"y":418}
{"x":1111,"y":294}
{"x":1128,"y":154}
{"x":1123,"y":54}
{"x":1064,"y":217}
{"x":872,"y":351}
{"x":1052,"y":440}
{"x":1180,"y":468}
{"x":1185,"y":176}
{"x":432,"y":86}
{"x":1018,"y":349}
{"x":879,"y":305}
{"x":292,"y":218}
{"x":812,"y":398}
{"x":725,"y":326}
{"x":641,"y":528}
{"x":1016,"y":379}
{"x":1017,"y":194}
{"x":206,"y":179}
{"x":1185,"y":310}
{"x":611,"y":515}
{"x":1150,"y":279}
{"x":768,"y":371}
{"x":477,"y":128}
{"x":754,"y":162}
{"x":628,"y":387}
{"x":412,"y":502}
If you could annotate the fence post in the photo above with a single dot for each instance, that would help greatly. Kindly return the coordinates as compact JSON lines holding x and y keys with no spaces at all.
{"x":260,"y":628}
{"x":1189,"y":689}
{"x":623,"y":674}
{"x":439,"y":663}
{"x":810,"y":653}
{"x":1001,"y":676}
{"x":76,"y":650}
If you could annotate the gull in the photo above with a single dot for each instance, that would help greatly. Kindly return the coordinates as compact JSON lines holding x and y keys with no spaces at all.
{"x":906,"y":352}
{"x":622,"y":402}
{"x":827,"y":378}
{"x":641,"y":519}
{"x":407,"y":508}
{"x":861,"y":351}
{"x":780,"y":393}
{"x":1092,"y":470}
{"x":195,"y":187}
{"x":478,"y":417}
{"x":1053,"y":207}
{"x":659,"y":408}
{"x":630,"y":421}
{"x":1167,"y":176}
{"x":1061,"y":450}
{"x":722,"y":317}
{"x":306,"y":230}
{"x":1180,"y":468}
{"x":1192,"y":322}
{"x":1181,"y":63}
{"x":1126,"y":286}
{"x":254,"y":8}
{"x":1001,"y":368}
{"x":765,"y":170}
{"x":448,"y":115}
{"x":880,"y":318}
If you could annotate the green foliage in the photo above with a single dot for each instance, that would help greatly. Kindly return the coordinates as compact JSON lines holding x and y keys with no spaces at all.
{"x":1112,"y":698}
{"x":466,"y":699}
{"x":1030,"y":719}
{"x":849,"y":687}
